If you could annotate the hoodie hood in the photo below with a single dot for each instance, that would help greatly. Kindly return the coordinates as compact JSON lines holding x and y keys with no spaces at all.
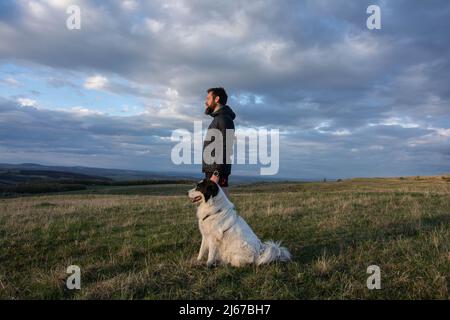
{"x":226,"y":111}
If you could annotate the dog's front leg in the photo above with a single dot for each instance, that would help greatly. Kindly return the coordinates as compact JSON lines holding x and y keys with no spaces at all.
{"x":212,"y":254}
{"x":203,"y":248}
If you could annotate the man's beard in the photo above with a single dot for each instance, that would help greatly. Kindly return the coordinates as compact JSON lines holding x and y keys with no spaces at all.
{"x":209,"y":110}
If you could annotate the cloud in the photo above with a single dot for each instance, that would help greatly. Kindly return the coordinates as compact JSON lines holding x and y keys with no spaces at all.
{"x":84,"y":111}
{"x":81,"y":134}
{"x":154,"y":25}
{"x":11,"y":82}
{"x":129,"y":4}
{"x":96,"y":82}
{"x":25,"y":102}
{"x":347,"y":97}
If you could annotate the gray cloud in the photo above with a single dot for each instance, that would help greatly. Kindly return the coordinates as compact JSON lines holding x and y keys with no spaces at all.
{"x":347,"y":95}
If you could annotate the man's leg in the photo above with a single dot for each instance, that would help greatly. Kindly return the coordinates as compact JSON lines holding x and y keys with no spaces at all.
{"x":225,"y":190}
{"x":223,"y":183}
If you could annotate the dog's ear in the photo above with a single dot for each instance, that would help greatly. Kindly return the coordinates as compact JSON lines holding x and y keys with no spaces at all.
{"x":212,"y":189}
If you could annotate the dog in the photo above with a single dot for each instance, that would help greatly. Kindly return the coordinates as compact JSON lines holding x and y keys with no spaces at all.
{"x":226,"y":237}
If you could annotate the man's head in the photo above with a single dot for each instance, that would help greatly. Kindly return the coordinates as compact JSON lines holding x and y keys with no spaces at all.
{"x":215,"y":97}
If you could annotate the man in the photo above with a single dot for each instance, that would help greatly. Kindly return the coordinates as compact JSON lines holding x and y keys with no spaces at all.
{"x":223,"y":117}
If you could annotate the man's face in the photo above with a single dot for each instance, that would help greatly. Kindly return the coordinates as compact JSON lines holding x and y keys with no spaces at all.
{"x":211,"y":101}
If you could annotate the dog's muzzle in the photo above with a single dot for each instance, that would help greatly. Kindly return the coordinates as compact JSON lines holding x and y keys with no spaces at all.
{"x":195,"y":199}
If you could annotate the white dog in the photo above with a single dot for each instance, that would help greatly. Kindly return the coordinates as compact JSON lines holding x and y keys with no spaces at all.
{"x":225,"y":235}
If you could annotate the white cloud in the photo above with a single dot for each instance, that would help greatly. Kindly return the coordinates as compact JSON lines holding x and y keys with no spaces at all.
{"x":396,"y":121}
{"x":177,"y":7}
{"x":82,"y":111}
{"x":171,"y":94}
{"x":343,"y":132}
{"x":129,"y":5}
{"x":154,"y":25}
{"x":12,"y":82}
{"x":36,"y":9}
{"x":25,"y":102}
{"x":60,"y":4}
{"x":437,"y":136}
{"x":442,"y":132}
{"x":96,"y":82}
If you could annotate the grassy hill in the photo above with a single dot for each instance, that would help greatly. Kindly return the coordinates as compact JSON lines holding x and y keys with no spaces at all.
{"x":27,"y":172}
{"x":140,"y":242}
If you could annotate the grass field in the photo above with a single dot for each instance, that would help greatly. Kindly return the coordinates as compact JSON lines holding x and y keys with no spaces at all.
{"x":140,"y":242}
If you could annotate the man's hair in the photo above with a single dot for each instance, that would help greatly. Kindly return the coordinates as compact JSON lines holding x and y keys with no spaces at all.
{"x":219,"y":92}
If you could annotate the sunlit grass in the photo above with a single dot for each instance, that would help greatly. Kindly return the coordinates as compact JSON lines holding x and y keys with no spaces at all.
{"x":137,"y":243}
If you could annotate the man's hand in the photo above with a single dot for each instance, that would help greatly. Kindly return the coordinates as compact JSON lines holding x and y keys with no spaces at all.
{"x":214,"y":178}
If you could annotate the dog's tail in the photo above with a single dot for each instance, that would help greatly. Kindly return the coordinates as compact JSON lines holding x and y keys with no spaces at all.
{"x":273,"y":251}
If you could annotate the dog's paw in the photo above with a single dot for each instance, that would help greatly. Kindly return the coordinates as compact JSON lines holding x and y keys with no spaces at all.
{"x":199,"y":258}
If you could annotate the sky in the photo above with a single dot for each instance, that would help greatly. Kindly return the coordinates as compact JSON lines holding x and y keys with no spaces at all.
{"x":348,"y":101}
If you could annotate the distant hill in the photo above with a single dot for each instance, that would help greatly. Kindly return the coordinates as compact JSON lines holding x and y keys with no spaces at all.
{"x":13,"y":174}
{"x":16,"y":176}
{"x":25,"y":172}
{"x":10,"y":174}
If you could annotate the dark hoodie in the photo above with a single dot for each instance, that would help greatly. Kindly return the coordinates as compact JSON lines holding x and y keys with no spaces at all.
{"x":223,"y":119}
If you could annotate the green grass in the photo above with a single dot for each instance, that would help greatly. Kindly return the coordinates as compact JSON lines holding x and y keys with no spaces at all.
{"x":140,"y":242}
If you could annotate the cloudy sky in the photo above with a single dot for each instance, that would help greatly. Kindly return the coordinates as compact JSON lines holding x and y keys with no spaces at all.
{"x":348,"y":101}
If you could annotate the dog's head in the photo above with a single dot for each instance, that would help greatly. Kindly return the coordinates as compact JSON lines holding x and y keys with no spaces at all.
{"x":203,"y":191}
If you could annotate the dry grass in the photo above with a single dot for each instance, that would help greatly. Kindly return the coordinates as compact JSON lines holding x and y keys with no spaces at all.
{"x":139,"y":244}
